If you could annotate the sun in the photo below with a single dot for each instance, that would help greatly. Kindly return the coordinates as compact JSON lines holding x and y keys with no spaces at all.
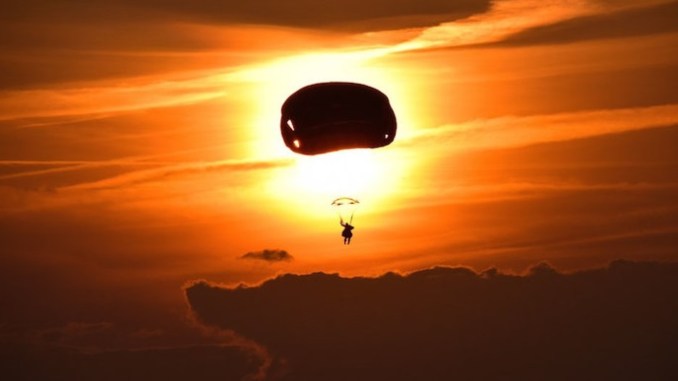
{"x":311,"y":183}
{"x":348,"y":173}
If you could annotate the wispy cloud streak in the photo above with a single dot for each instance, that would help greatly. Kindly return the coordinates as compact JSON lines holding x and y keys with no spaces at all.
{"x":508,"y":17}
{"x":142,"y":176}
{"x":104,"y":100}
{"x":523,"y":130}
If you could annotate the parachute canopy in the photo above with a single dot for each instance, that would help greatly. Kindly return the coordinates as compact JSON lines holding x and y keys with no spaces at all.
{"x":332,"y":116}
{"x":345,"y":207}
{"x":345,"y":201}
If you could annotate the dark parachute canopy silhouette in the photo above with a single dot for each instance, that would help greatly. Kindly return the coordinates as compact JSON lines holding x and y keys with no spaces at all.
{"x":333,"y":116}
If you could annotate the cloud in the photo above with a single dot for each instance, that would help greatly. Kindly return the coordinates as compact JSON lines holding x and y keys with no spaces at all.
{"x":295,"y":13}
{"x":639,"y":21}
{"x":162,"y":172}
{"x":309,"y":13}
{"x":440,"y":323}
{"x":268,"y":255}
{"x":525,"y":22}
{"x":73,"y":332}
{"x":505,"y":17}
{"x":205,"y":362}
{"x":32,"y":186}
{"x":512,"y":131}
{"x":97,"y":100}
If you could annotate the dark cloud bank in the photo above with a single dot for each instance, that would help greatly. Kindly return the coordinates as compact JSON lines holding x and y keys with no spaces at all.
{"x":23,"y":362}
{"x":452,"y":323}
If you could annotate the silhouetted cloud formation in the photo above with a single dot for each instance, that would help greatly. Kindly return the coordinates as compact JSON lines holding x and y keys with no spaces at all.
{"x":444,"y":323}
{"x":269,"y":255}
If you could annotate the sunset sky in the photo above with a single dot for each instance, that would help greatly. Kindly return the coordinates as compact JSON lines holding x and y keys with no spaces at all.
{"x":141,"y":162}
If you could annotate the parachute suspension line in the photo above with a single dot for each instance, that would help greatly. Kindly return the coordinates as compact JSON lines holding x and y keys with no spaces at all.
{"x":350,"y":219}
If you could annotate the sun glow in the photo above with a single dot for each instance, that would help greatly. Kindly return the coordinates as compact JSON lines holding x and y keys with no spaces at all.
{"x":371,"y":176}
{"x":307,"y":188}
{"x":349,"y":173}
{"x":357,"y":173}
{"x":272,"y":82}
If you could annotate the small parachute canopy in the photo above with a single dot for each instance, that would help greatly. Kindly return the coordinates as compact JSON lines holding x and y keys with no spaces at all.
{"x":332,"y":116}
{"x":344,"y":201}
{"x":345,"y":207}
